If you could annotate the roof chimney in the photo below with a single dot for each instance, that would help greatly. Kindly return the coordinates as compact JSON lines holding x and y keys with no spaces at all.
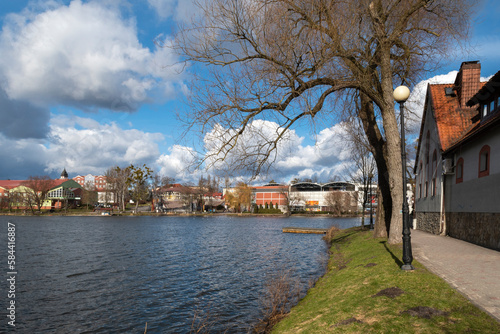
{"x":467,"y":82}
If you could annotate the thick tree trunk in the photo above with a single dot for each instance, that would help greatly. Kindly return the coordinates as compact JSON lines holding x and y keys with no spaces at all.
{"x":381,"y":228}
{"x":393,"y":148}
{"x":377,"y":142}
{"x":388,"y":158}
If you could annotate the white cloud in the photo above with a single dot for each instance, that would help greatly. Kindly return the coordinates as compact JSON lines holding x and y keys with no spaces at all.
{"x":164,"y":8}
{"x":82,"y":145}
{"x":178,"y":163}
{"x":83,"y":54}
{"x":179,"y":10}
{"x":324,"y":160}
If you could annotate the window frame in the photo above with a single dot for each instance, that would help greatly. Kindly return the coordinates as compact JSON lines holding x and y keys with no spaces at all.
{"x":434,"y":173}
{"x":485,"y":150}
{"x":459,"y":178}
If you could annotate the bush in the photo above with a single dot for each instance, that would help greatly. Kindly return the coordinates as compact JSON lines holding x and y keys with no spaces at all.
{"x":274,"y":211}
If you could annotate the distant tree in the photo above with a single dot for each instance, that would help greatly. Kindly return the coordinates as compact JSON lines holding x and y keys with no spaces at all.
{"x":294,"y":199}
{"x":362,"y":170}
{"x":37,"y":189}
{"x":242,"y":197}
{"x":138,"y":183}
{"x":117,"y":191}
{"x":335,"y":201}
{"x":89,"y":194}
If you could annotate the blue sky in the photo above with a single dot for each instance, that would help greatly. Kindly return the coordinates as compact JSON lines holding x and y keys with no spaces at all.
{"x":84,"y":87}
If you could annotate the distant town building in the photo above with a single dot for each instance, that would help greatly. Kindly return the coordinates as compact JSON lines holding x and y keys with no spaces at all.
{"x":343,"y":197}
{"x":97,"y":183}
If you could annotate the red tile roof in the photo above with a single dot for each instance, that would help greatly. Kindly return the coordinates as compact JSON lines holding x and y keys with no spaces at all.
{"x":453,"y":122}
{"x":9,"y":184}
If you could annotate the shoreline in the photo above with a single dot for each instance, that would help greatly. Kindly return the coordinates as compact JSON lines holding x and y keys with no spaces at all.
{"x":155,"y":214}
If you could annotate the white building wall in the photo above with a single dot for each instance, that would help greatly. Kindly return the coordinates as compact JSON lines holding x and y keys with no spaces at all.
{"x":423,"y":202}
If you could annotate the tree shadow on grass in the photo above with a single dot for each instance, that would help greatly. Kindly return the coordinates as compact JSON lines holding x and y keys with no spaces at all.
{"x":396,"y":259}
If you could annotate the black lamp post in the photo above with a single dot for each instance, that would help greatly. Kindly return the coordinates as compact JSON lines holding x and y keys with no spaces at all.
{"x":370,"y":176}
{"x":401,"y":94}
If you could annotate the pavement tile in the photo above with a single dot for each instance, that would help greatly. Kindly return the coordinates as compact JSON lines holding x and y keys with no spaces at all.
{"x":473,"y":270}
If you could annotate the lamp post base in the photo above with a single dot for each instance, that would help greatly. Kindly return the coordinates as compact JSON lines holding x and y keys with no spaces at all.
{"x":407,"y":267}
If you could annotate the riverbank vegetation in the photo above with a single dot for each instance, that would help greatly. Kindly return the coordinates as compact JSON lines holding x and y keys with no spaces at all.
{"x":365,"y":291}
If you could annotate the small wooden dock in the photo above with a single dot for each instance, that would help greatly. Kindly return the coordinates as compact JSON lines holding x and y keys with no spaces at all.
{"x":312,"y":230}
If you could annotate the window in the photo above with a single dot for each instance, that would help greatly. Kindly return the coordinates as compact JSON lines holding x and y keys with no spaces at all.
{"x":420,"y":177}
{"x":434,"y":173}
{"x":485,"y":110}
{"x":492,"y":106}
{"x":459,"y":171}
{"x":484,"y":161}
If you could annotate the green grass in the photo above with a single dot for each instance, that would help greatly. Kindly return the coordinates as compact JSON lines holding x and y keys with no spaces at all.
{"x":343,"y":300}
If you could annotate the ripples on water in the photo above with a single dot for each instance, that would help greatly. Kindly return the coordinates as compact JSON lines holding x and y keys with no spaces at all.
{"x":114,"y":274}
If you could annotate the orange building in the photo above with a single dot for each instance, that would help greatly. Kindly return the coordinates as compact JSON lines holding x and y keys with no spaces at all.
{"x":275,"y":194}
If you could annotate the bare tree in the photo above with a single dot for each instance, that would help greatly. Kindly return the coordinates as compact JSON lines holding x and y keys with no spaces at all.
{"x":288,"y":60}
{"x":117,"y":187}
{"x":362,"y":169}
{"x":335,"y":201}
{"x":295,"y":199}
{"x":89,"y":194}
{"x":37,"y":188}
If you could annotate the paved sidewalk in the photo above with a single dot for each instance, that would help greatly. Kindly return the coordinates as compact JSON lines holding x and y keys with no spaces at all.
{"x":471,"y":269}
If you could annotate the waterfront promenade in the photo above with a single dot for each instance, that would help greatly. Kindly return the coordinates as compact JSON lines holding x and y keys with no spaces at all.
{"x":473,"y":270}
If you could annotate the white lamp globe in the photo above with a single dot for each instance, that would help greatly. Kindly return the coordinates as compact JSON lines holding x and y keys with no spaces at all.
{"x":401,"y":94}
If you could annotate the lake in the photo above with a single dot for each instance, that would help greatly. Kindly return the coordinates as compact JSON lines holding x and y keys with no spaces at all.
{"x":114,"y":274}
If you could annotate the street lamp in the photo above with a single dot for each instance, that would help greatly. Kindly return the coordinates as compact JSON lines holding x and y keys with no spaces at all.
{"x":401,"y":94}
{"x":370,"y":176}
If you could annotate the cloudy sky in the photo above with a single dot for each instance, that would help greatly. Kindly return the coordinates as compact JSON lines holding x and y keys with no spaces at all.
{"x":84,"y":87}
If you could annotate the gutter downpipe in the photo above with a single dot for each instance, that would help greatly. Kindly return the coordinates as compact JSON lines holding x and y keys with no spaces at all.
{"x":442,"y":213}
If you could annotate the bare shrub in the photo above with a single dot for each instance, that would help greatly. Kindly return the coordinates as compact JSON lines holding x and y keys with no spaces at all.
{"x":202,"y":322}
{"x":281,"y":292}
{"x":330,"y":234}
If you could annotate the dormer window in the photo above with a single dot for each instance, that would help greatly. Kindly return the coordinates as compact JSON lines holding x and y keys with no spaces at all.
{"x":489,"y":107}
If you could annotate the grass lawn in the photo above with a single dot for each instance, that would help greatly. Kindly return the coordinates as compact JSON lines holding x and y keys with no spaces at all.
{"x":365,"y":291}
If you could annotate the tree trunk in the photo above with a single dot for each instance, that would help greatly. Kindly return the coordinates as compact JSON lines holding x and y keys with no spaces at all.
{"x":393,"y":148}
{"x":384,"y":205}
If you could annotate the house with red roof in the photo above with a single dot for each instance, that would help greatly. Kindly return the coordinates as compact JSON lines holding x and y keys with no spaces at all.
{"x":18,"y":194}
{"x":6,"y":186}
{"x":457,"y":167}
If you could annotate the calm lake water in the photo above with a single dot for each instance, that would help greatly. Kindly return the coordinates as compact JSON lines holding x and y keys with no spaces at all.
{"x":114,"y":274}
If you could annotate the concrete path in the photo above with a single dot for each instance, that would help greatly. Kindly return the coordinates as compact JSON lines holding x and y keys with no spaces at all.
{"x":472,"y":270}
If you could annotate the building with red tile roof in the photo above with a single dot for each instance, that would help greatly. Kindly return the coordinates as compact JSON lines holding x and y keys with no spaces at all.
{"x":457,"y":165}
{"x":18,"y":194}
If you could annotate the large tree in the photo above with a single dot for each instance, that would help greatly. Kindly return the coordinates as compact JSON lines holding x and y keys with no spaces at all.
{"x":288,"y":60}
